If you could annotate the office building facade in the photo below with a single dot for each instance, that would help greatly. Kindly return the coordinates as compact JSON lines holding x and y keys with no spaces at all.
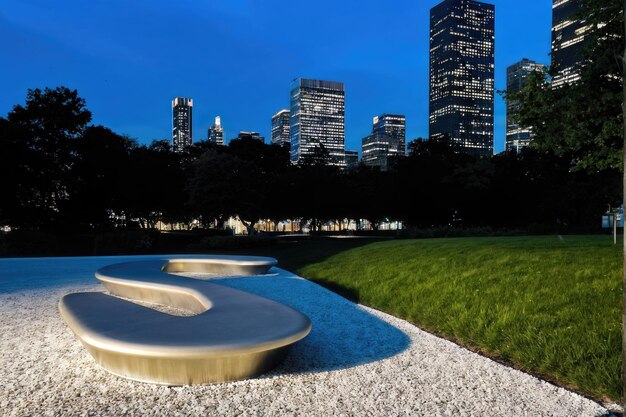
{"x":182,"y":117}
{"x":216,"y":132}
{"x":386,"y":142}
{"x":317,"y":119}
{"x":375,"y":151}
{"x":394,"y":127}
{"x":461,"y":104}
{"x":280,"y":128}
{"x":568,"y":35}
{"x":517,"y":137}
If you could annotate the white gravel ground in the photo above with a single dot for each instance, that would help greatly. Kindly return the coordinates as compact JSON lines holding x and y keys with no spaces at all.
{"x":356,"y":361}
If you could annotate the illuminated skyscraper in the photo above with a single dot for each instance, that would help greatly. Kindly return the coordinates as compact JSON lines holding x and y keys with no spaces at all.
{"x":394,"y":126}
{"x":517,"y":137}
{"x":374,"y":150}
{"x":317,"y":119}
{"x":216,"y":132}
{"x":182,"y":109}
{"x":462,"y":74}
{"x":387,"y":141}
{"x":568,"y":35}
{"x":280,"y":128}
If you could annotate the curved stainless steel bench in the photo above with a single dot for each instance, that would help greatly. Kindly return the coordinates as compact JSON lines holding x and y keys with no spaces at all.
{"x":235,"y":335}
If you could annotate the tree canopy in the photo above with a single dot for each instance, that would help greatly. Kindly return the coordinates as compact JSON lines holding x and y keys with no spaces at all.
{"x":583,"y":121}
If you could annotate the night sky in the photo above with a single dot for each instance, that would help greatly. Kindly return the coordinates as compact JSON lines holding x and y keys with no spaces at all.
{"x":236,"y":58}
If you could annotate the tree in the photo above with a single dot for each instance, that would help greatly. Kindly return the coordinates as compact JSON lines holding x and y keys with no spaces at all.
{"x":14,"y":174}
{"x":582,"y":121}
{"x":44,"y":130}
{"x":100,"y":177}
{"x":222,"y":186}
{"x":320,"y":156}
{"x":428,"y":196}
{"x":365,"y":193}
{"x":155,"y":186}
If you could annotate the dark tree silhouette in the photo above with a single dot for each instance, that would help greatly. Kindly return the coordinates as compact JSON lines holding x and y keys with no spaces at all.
{"x":108,"y":180}
{"x":100,"y":177}
{"x":43,"y":131}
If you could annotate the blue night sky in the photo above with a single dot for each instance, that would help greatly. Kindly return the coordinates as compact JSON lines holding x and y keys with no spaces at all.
{"x":236,"y":58}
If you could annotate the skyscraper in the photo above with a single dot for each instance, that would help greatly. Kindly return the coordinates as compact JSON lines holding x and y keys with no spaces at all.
{"x":216,"y":132}
{"x":518,"y":137}
{"x":317,"y":119}
{"x":568,"y":35}
{"x":394,"y":126}
{"x":462,"y":74}
{"x":182,"y":109}
{"x":374,"y":150}
{"x":280,"y":128}
{"x":386,"y":141}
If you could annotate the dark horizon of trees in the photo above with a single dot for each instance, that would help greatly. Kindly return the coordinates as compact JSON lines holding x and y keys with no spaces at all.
{"x":60,"y":172}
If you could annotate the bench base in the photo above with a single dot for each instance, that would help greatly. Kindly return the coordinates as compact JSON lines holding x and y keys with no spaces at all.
{"x":193,"y":371}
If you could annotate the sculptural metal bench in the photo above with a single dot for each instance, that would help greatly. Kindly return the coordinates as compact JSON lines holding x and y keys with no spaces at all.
{"x":235,"y":334}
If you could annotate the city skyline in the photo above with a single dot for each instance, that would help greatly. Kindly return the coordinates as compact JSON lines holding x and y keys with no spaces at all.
{"x":100,"y":63}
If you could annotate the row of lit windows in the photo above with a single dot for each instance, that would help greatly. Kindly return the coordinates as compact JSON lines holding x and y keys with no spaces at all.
{"x":568,"y":43}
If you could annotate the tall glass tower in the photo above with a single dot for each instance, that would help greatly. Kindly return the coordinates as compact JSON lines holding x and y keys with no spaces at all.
{"x":280,"y":128}
{"x":317,"y":119}
{"x":518,"y":137}
{"x":216,"y":132}
{"x":462,"y":74}
{"x":182,"y":109}
{"x":568,"y":35}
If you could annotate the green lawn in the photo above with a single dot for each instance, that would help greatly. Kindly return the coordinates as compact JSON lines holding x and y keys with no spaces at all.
{"x":547,"y":305}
